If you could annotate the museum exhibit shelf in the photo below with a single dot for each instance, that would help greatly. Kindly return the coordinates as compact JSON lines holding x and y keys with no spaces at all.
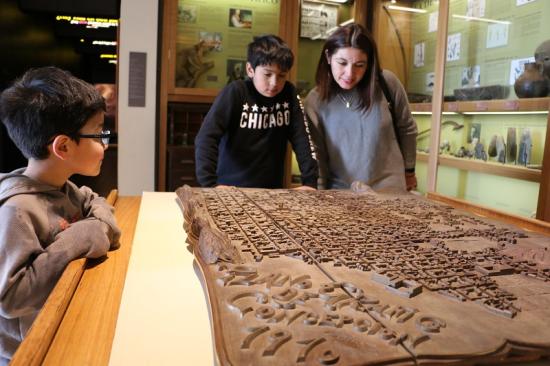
{"x":466,"y":58}
{"x":486,"y":167}
{"x":500,"y":105}
{"x":503,"y":107}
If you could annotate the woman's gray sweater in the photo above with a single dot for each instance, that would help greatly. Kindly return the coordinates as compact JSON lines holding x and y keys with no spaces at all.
{"x":357,"y":145}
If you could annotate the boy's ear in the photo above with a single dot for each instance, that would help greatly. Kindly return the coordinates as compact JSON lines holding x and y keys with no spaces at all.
{"x":249,"y":70}
{"x":61,"y":146}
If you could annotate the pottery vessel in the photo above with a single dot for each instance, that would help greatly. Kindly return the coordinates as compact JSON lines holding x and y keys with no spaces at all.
{"x":531,"y":83}
{"x":542,"y":57}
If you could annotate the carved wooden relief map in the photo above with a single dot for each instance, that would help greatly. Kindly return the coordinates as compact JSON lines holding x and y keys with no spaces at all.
{"x":346,"y":278}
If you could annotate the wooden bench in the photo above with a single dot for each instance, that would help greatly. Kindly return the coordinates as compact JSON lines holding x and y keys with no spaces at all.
{"x":76,"y":326}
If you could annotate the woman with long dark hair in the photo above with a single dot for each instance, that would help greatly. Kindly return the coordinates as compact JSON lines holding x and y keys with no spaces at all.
{"x":352,"y":125}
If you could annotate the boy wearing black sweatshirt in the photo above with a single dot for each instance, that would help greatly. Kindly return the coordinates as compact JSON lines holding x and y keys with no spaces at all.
{"x":243,"y":139}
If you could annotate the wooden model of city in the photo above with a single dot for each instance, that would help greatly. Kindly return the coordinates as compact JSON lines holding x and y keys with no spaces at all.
{"x":360,"y":278}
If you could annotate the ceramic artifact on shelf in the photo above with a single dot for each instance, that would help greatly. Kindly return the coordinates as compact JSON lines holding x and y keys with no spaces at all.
{"x":542,"y":57}
{"x":532,"y":83}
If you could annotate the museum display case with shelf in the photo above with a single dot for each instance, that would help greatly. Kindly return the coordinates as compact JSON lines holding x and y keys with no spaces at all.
{"x":478,"y":140}
{"x":203,"y":48}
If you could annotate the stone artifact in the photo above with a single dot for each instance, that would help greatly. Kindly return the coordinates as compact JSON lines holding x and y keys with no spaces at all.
{"x":501,"y":149}
{"x":492,"y":149}
{"x":525,"y":145}
{"x":461,"y":153}
{"x":444,"y":147}
{"x":482,"y":92}
{"x":531,"y":83}
{"x":362,"y":278}
{"x":479,"y":151}
{"x":511,"y":145}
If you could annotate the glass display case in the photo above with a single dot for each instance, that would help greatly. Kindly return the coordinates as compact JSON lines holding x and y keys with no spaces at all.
{"x":203,"y":49}
{"x":479,"y":95}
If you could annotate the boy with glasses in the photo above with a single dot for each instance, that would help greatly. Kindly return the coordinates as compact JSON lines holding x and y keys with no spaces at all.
{"x":56,"y":120}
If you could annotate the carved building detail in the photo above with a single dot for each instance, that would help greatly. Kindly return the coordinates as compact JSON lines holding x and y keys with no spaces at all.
{"x":339,"y":277}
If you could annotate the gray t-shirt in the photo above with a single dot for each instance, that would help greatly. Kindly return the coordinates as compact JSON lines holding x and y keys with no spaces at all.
{"x":357,"y":145}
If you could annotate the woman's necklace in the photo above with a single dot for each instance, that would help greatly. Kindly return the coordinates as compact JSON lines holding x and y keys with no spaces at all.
{"x":347,"y":102}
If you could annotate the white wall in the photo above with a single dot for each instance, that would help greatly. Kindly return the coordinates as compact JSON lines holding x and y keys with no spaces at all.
{"x":136,"y":125}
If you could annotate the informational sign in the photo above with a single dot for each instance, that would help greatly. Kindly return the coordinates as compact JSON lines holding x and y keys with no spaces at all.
{"x":318,"y":20}
{"x":419,"y":50}
{"x":453,"y":47}
{"x":136,"y":79}
{"x":497,"y":35}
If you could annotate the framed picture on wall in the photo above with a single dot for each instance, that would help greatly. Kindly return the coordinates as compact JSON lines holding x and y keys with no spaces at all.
{"x":318,"y":20}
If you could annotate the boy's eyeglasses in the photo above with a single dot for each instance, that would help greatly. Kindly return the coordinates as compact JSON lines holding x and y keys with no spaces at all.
{"x":104,"y":137}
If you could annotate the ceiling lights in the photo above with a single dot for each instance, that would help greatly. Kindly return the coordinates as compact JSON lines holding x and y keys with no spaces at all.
{"x":404,"y":8}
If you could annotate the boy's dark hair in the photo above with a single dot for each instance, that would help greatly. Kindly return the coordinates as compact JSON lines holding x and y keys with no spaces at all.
{"x":46,"y":102}
{"x":269,"y":49}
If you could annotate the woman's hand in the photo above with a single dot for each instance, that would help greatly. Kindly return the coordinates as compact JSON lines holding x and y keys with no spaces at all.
{"x":222,"y":186}
{"x":304,"y":188}
{"x":410,"y":181}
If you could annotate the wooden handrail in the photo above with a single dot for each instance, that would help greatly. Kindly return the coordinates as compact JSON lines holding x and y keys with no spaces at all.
{"x":36,"y":343}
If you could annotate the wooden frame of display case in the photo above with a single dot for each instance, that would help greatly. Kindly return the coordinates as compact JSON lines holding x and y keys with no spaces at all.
{"x":289,"y":23}
{"x":388,"y":60}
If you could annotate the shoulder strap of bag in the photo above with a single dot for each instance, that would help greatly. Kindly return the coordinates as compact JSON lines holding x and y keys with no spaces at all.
{"x":387,"y":94}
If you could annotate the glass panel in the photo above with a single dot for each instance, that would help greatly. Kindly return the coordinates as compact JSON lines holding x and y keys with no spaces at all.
{"x":212,"y":36}
{"x":492,"y":152}
{"x":316,"y":23}
{"x":413,"y":39}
